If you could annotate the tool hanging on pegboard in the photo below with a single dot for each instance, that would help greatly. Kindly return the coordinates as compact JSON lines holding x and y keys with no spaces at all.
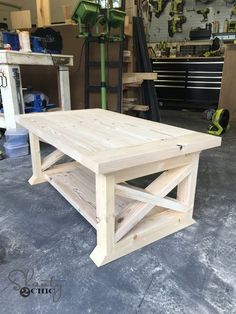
{"x":175,"y":24}
{"x":158,"y":6}
{"x":177,"y":6}
{"x":233,"y":11}
{"x":177,"y":19}
{"x":145,"y":10}
{"x":204,"y":12}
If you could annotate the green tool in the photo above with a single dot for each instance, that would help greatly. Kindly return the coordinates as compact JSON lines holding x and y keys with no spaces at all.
{"x":1,"y":155}
{"x":158,"y":6}
{"x":175,"y":24}
{"x":204,"y":13}
{"x":177,"y":6}
{"x":233,"y":12}
{"x":93,"y":21}
{"x":220,"y":122}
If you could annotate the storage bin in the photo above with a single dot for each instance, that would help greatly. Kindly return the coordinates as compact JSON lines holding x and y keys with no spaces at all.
{"x":14,"y":151}
{"x":17,"y":136}
{"x":11,"y":39}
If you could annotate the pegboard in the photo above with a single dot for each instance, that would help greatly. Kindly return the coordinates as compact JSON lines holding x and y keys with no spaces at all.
{"x":158,"y":29}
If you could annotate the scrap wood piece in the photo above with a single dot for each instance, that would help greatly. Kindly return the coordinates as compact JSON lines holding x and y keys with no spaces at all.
{"x":128,"y":107}
{"x":21,"y":19}
{"x":43,"y":12}
{"x":129,"y":100}
{"x":131,"y":78}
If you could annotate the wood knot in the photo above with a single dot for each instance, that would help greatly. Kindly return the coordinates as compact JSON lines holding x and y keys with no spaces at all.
{"x":120,"y":220}
{"x":135,"y":237}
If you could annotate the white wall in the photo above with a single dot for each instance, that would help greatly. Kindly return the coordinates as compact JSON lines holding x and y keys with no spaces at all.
{"x":159,"y":27}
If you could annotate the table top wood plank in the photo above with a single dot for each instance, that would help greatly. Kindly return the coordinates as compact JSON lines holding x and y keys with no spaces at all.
{"x":130,"y":123}
{"x":94,"y":133}
{"x":107,"y":133}
{"x":106,"y":141}
{"x":31,"y":58}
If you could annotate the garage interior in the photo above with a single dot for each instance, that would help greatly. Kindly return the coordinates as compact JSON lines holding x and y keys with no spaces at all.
{"x":135,"y":90}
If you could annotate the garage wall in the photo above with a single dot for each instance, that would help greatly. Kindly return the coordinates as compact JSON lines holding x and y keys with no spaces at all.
{"x":158,"y":30}
{"x":5,"y":11}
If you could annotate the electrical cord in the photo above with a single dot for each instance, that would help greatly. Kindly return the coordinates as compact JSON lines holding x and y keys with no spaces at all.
{"x":80,"y":57}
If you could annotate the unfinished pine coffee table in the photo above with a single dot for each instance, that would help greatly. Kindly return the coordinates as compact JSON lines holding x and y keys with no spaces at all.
{"x":108,"y":149}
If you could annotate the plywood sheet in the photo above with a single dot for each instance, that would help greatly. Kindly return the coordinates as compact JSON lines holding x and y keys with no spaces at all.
{"x":21,"y":19}
{"x":228,"y":90}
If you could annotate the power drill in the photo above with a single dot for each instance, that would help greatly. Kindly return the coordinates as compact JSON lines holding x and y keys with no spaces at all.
{"x":204,"y":13}
{"x":177,"y":6}
{"x":158,"y":6}
{"x":175,"y":24}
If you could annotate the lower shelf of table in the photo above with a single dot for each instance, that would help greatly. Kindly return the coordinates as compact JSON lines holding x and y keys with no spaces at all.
{"x":77,"y":186}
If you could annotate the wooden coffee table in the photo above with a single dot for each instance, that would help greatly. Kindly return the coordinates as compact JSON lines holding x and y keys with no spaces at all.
{"x":108,"y":149}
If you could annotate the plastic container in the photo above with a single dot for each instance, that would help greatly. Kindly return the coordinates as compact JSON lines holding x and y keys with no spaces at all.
{"x":17,"y":136}
{"x":12,"y":39}
{"x":14,"y":151}
{"x":36,"y":44}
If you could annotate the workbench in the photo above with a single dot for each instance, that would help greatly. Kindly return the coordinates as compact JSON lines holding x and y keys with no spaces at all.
{"x":108,"y":150}
{"x":11,"y":85}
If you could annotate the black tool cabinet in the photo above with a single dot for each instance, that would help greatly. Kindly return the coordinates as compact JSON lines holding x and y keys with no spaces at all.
{"x":188,"y":82}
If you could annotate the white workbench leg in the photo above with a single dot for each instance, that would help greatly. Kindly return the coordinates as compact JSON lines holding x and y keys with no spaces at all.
{"x":105,"y":211}
{"x":64,"y":85}
{"x":12,"y":96}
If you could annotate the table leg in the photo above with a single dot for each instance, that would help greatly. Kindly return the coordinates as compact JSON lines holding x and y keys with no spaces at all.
{"x":12,"y":96}
{"x":64,"y":84}
{"x":187,"y":188}
{"x":38,"y":176}
{"x":144,"y":222}
{"x":105,"y":211}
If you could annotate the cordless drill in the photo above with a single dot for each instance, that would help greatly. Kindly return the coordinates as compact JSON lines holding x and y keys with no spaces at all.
{"x":204,"y":13}
{"x":177,"y":6}
{"x":158,"y":6}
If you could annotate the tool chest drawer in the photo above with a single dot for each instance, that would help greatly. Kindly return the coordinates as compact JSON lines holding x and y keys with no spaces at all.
{"x":188,"y":82}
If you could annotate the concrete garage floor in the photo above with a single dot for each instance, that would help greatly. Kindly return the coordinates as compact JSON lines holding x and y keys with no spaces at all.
{"x":192,"y":271}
